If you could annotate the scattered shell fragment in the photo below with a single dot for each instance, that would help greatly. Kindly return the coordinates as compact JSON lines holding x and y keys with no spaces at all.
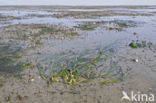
{"x":30,"y":38}
{"x":39,"y":77}
{"x":32,"y":80}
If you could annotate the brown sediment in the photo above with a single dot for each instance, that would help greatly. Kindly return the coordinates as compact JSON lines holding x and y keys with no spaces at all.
{"x":121,"y":69}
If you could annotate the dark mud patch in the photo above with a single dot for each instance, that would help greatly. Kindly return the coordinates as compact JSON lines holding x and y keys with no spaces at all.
{"x":9,"y":55}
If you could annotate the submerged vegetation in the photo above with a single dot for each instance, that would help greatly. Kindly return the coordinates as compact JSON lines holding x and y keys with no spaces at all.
{"x":120,"y":25}
{"x":47,"y":59}
{"x":3,"y":17}
{"x":142,"y":44}
{"x":72,"y":69}
{"x":86,"y":27}
{"x":138,"y":43}
{"x":89,"y":25}
{"x":95,"y":14}
{"x":33,"y":31}
{"x":117,"y":25}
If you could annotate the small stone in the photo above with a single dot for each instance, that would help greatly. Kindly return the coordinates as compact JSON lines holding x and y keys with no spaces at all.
{"x":30,"y":38}
{"x":30,"y":46}
{"x":136,"y":60}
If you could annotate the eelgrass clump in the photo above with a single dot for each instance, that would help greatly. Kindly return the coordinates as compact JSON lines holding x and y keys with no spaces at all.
{"x":142,"y":44}
{"x":77,"y":68}
{"x":86,"y":27}
{"x":72,"y":70}
{"x":119,"y":25}
{"x":91,"y":25}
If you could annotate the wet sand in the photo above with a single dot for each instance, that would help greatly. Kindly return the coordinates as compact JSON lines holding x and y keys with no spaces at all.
{"x":36,"y":35}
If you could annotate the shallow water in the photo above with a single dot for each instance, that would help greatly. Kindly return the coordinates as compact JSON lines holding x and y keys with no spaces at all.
{"x":22,"y":13}
{"x":145,"y":27}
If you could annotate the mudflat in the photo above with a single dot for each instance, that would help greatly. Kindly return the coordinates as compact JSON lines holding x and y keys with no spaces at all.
{"x":77,"y":54}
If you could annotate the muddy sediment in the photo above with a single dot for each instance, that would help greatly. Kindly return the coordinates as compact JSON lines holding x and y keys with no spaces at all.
{"x":75,"y":54}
